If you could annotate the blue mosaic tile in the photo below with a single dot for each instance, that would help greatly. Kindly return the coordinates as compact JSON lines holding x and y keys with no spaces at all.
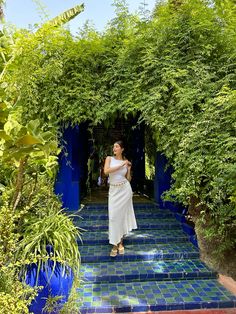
{"x":140,"y":308}
{"x":124,"y":309}
{"x":99,"y":206}
{"x":140,"y":296}
{"x":140,"y":252}
{"x":155,"y":270}
{"x":226,"y":304}
{"x":180,"y":217}
{"x":175,"y":306}
{"x":188,"y":229}
{"x":136,"y":236}
{"x":164,"y":224}
{"x":139,"y":213}
{"x":192,"y":306}
{"x":159,"y":307}
{"x":160,"y":269}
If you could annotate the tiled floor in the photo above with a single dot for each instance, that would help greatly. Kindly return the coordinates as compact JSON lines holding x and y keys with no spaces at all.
{"x":142,"y":213}
{"x":160,"y":270}
{"x":145,"y":270}
{"x":137,"y":237}
{"x":143,"y":224}
{"x":153,"y":295}
{"x":140,"y":252}
{"x":205,"y":311}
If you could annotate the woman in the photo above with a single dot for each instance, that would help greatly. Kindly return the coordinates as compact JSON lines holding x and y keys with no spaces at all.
{"x":120,"y":204}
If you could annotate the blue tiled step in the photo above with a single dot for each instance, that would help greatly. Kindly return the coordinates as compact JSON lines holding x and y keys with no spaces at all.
{"x":137,"y":236}
{"x":166,"y":224}
{"x":154,"y":296}
{"x":100,"y":253}
{"x":136,"y":206}
{"x":104,"y":209}
{"x":103,"y":214}
{"x":144,"y":270}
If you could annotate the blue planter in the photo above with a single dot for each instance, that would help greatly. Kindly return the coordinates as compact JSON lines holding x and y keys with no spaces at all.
{"x":57,"y":283}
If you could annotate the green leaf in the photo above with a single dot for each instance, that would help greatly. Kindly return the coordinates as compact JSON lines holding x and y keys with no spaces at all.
{"x":66,"y":16}
{"x":4,"y":136}
{"x":28,"y":140}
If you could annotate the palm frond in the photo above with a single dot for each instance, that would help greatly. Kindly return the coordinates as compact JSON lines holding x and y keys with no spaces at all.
{"x":66,"y":16}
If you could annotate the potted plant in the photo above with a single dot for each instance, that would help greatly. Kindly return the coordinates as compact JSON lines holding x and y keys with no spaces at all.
{"x":45,"y":239}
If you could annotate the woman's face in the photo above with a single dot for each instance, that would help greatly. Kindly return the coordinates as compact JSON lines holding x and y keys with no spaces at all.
{"x":117,"y":150}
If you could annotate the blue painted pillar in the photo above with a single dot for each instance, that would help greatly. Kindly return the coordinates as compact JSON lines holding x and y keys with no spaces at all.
{"x":68,"y":177}
{"x":162,"y":183}
{"x":162,"y":180}
{"x":138,"y":158}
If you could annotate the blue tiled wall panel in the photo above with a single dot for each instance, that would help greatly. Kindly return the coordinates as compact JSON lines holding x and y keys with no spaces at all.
{"x":162,"y":181}
{"x":72,"y":167}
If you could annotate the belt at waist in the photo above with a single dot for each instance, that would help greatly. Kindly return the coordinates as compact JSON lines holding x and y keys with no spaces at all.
{"x":118,"y":183}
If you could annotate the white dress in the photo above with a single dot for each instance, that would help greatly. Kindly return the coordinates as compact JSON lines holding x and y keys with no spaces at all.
{"x":120,"y":204}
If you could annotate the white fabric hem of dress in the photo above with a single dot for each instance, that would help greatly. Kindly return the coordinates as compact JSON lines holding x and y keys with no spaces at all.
{"x":125,"y":234}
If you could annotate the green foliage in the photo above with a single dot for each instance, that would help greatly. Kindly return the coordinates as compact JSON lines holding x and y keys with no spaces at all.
{"x":19,"y":141}
{"x":41,"y":207}
{"x":15,"y":297}
{"x":66,"y":16}
{"x":51,"y":227}
{"x":26,"y":234}
{"x":175,"y":70}
{"x":31,"y":217}
{"x":70,"y":307}
{"x":194,"y":116}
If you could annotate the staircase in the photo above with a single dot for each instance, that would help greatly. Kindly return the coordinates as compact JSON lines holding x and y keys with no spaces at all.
{"x":160,"y":270}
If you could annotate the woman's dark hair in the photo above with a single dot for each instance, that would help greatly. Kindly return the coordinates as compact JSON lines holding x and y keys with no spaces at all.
{"x":121,"y":143}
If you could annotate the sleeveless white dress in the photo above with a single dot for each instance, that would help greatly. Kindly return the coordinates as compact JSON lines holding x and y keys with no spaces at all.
{"x":120,"y":204}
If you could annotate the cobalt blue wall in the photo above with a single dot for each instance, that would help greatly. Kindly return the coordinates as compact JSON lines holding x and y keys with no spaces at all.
{"x":72,"y":167}
{"x":162,"y":178}
{"x":138,"y":158}
{"x":163,"y":182}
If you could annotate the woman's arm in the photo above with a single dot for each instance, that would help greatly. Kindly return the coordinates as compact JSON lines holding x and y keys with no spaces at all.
{"x":128,"y":174}
{"x":108,"y":169}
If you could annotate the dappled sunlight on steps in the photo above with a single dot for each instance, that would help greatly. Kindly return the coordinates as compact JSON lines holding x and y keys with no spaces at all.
{"x":215,"y":311}
{"x":159,"y":271}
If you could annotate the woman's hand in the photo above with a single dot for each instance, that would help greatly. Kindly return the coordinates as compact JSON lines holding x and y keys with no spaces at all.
{"x":127,"y":164}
